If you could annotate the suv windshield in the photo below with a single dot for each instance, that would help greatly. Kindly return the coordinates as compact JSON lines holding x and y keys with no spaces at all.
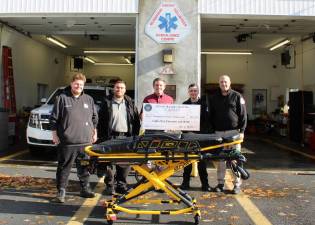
{"x":53,"y":98}
{"x":96,"y":94}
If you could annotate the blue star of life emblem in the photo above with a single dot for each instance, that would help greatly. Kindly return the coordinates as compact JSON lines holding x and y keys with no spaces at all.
{"x":168,"y":22}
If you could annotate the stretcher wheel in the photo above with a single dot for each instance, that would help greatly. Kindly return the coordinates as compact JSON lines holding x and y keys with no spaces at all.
{"x":111,"y":217}
{"x":197,"y":219}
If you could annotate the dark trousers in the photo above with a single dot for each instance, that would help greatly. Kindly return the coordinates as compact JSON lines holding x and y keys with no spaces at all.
{"x":121,"y":174}
{"x":120,"y":177}
{"x":67,"y":155}
{"x":202,"y":170}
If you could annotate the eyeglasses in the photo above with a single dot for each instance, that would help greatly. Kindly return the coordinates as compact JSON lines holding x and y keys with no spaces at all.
{"x":193,"y":90}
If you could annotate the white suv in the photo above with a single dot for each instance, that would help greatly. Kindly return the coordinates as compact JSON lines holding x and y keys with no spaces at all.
{"x":38,"y":132}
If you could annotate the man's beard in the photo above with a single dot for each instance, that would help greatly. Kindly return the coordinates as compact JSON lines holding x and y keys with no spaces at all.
{"x":75,"y":92}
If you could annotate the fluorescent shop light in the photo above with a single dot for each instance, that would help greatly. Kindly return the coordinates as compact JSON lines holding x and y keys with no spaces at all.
{"x":109,"y":52}
{"x":226,"y":53}
{"x":56,"y":42}
{"x":89,"y":59}
{"x":112,"y":64}
{"x":127,"y":60}
{"x":279,"y":45}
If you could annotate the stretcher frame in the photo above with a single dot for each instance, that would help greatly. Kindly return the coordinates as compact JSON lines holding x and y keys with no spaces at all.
{"x":156,"y":180}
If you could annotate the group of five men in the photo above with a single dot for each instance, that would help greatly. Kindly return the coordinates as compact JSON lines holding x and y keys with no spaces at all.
{"x":76,"y":124}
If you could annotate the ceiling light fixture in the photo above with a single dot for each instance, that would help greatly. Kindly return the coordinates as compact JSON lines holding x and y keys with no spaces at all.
{"x":112,"y":64}
{"x":279,"y":44}
{"x":226,"y":53}
{"x":56,"y":42}
{"x":108,"y":52}
{"x":89,"y":60}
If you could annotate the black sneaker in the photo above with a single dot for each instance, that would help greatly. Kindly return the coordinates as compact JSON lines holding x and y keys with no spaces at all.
{"x":121,"y":190}
{"x":206,"y":188}
{"x":219,"y":188}
{"x":87,"y":193}
{"x":109,"y":191}
{"x":184,"y":186}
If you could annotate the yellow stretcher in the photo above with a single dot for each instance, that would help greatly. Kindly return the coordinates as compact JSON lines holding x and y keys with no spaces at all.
{"x":167,"y":154}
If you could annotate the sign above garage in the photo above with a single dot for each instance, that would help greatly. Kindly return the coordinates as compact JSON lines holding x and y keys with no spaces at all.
{"x":168,"y":24}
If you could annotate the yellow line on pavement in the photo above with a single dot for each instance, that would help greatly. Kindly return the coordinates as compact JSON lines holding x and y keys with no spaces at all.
{"x":288,"y":148}
{"x":87,"y":206}
{"x":252,"y":211}
{"x":249,"y":207}
{"x":13,"y":155}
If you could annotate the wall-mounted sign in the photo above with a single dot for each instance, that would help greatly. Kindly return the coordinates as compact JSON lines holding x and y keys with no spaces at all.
{"x":168,"y":24}
{"x":170,"y":89}
{"x":167,"y":70}
{"x":259,"y":101}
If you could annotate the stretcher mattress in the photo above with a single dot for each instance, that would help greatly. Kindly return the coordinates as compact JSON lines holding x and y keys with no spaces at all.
{"x":160,"y":142}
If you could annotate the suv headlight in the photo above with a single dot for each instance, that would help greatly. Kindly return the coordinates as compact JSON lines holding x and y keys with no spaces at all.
{"x":34,"y":120}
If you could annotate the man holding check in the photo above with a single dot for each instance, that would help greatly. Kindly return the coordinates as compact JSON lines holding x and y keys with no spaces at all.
{"x":194,"y":99}
{"x":159,"y":97}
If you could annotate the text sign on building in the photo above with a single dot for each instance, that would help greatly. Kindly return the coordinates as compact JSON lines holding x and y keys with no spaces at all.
{"x":167,"y":25}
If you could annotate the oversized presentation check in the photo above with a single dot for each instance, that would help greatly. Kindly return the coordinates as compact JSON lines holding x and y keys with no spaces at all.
{"x":171,"y":117}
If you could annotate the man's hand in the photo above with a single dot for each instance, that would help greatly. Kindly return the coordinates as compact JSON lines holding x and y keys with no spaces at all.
{"x":94,"y":137}
{"x":55,"y":137}
{"x":242,"y":136}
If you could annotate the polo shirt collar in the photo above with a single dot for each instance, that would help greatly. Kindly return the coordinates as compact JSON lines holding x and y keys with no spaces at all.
{"x":114,"y":101}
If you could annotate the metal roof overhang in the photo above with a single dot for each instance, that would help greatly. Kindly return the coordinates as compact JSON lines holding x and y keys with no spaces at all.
{"x":33,"y":8}
{"x":287,"y":8}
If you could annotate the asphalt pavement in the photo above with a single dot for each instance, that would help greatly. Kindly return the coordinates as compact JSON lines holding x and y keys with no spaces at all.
{"x":281,"y":190}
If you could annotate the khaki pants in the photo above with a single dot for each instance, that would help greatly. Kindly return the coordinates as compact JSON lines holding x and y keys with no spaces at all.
{"x":222,"y":164}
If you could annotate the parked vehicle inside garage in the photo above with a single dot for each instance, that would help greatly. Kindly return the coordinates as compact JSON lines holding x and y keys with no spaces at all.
{"x":38,"y":132}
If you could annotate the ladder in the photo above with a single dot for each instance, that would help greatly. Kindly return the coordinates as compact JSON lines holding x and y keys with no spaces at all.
{"x":9,"y":90}
{"x":9,"y":102}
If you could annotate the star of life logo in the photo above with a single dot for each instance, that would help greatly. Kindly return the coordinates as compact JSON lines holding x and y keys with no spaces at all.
{"x":168,"y":24}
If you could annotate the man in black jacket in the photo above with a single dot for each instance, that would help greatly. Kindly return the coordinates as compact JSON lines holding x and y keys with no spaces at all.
{"x":73,"y":120}
{"x":228,"y":114}
{"x":118,"y":118}
{"x":193,"y":92}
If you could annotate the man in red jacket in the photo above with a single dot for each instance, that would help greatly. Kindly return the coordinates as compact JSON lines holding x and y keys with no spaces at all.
{"x":159,"y":97}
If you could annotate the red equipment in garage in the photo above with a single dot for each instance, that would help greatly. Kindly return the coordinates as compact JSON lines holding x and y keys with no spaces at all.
{"x":9,"y":102}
